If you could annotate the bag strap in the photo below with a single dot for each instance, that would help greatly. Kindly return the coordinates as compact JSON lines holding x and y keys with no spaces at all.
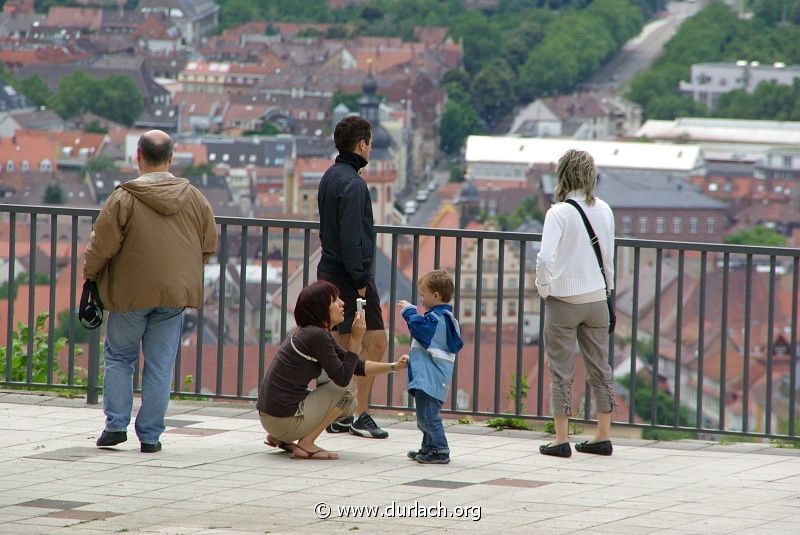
{"x":592,"y":238}
{"x":90,"y":294}
{"x":307,"y":357}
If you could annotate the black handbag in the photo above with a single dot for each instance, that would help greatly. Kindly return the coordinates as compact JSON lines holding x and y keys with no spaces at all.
{"x":90,"y":311}
{"x":612,"y":315}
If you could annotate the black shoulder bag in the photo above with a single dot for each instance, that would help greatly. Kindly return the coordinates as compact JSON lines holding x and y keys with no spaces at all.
{"x":612,"y":315}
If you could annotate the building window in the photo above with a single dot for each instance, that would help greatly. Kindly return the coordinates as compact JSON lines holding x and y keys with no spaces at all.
{"x":660,"y":225}
{"x":25,"y":166}
{"x":711,"y":225}
{"x":483,"y":309}
{"x":373,"y":194}
{"x":46,"y":166}
{"x":511,"y":308}
{"x":512,"y":283}
{"x":10,"y":165}
{"x":468,"y":284}
{"x":626,"y":225}
{"x":693,"y":222}
{"x":643,"y":225}
{"x":676,"y":225}
{"x":225,"y":157}
{"x":467,"y":311}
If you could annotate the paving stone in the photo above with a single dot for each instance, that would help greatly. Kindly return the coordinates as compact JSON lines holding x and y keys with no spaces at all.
{"x":196,"y":431}
{"x":518,"y":483}
{"x":170,"y":422}
{"x":81,"y":514}
{"x":439,"y":484}
{"x":54,"y":504}
{"x":71,"y":454}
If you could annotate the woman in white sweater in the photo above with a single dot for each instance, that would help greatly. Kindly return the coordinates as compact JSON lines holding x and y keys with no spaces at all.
{"x":569,"y":278}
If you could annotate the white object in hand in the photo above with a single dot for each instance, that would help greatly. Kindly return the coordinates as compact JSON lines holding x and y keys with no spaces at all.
{"x":360,"y":304}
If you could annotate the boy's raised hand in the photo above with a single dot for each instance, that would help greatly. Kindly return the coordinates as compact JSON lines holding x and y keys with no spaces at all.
{"x":403,"y":303}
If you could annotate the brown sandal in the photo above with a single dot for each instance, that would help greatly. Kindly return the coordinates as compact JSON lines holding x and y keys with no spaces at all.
{"x":275,"y":443}
{"x":328,"y":455}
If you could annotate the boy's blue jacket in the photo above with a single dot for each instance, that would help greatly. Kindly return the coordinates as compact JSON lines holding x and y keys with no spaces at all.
{"x":436,"y":339}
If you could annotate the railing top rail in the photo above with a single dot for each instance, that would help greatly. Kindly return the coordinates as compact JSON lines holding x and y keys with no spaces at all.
{"x":440,"y":232}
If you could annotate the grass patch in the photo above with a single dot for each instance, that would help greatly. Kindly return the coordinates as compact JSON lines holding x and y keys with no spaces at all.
{"x":667,"y":435}
{"x":509,"y":423}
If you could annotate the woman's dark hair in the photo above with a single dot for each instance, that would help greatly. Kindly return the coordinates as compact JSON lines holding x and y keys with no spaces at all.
{"x":313,"y":304}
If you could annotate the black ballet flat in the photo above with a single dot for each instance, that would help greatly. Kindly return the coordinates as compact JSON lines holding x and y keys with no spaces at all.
{"x":559,"y":450}
{"x":596,"y":448}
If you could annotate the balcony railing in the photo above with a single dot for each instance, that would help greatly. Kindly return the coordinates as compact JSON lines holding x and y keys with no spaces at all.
{"x":706,"y":342}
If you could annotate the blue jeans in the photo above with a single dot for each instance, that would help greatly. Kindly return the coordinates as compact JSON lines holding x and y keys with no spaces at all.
{"x":429,"y":421}
{"x":158,"y":332}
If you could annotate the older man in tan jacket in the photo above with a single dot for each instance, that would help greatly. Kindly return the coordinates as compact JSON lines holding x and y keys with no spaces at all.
{"x":146,"y":253}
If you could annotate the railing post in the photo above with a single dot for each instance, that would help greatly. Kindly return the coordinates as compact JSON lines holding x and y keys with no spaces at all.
{"x":94,"y":367}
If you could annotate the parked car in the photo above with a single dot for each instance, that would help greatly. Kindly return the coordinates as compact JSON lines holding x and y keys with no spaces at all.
{"x":422,"y":195}
{"x":410,"y":207}
{"x":432,"y":185}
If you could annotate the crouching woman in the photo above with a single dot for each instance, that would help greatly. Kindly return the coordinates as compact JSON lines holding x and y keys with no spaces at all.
{"x":293,"y":415}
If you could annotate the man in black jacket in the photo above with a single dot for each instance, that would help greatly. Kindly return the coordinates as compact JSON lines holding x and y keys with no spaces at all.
{"x":348,"y":246}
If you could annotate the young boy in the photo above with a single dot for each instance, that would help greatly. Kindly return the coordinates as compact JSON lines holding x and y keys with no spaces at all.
{"x":436,"y":339}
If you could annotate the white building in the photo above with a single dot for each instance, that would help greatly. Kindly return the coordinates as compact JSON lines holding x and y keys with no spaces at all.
{"x":737,"y":140}
{"x":579,"y":116}
{"x":508,"y":159}
{"x":709,"y":81}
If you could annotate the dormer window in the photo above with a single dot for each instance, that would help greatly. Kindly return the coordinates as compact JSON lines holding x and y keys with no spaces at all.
{"x":25,"y":166}
{"x":10,"y":165}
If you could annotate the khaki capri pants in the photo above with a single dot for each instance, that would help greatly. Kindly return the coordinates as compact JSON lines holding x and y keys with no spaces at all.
{"x":586,"y":324}
{"x":311,"y":411}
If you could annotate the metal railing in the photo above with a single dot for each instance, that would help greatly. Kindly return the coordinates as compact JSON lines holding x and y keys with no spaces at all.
{"x":677,"y":304}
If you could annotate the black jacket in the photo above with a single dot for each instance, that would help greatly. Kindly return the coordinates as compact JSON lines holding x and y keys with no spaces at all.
{"x":347,"y":228}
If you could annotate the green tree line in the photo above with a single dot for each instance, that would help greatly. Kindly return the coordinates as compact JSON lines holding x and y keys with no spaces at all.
{"x":718,"y":34}
{"x":116,"y":97}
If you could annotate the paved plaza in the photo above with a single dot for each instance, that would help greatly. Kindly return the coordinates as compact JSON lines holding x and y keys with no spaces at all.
{"x":215,"y":476}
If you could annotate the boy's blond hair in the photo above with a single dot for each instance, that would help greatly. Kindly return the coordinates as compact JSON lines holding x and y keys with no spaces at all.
{"x":439,"y":281}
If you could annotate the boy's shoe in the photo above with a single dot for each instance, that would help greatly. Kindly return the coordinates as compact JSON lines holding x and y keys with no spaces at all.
{"x":111,"y":438}
{"x":413,"y":454}
{"x":342,"y":426}
{"x":433,"y":457}
{"x":365,"y":426}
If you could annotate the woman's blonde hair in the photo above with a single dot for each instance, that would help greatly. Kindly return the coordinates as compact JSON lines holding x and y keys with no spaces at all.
{"x":576,"y":172}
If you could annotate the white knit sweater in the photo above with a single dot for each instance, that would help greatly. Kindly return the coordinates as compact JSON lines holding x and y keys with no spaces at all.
{"x":566,"y":264}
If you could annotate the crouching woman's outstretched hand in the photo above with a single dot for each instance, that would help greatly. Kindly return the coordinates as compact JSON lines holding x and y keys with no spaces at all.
{"x":379,"y":368}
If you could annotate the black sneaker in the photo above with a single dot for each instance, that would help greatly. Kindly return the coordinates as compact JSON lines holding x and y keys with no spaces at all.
{"x":365,"y":426}
{"x":413,"y":454}
{"x":111,"y":438}
{"x":151,"y":448}
{"x":433,"y":457}
{"x":342,"y":426}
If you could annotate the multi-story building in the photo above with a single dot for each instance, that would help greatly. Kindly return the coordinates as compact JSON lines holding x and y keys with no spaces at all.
{"x":578,"y":116}
{"x":709,"y":81}
{"x":508,"y":160}
{"x":195,"y":18}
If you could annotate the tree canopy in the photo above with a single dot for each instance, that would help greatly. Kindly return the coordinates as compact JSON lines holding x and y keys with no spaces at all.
{"x":757,"y":235}
{"x":718,"y":34}
{"x":115,"y":97}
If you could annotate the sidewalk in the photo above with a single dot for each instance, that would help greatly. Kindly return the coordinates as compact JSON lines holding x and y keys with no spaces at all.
{"x":215,"y":476}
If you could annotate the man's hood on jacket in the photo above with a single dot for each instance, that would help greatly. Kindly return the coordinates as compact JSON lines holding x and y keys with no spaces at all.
{"x":162,"y":192}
